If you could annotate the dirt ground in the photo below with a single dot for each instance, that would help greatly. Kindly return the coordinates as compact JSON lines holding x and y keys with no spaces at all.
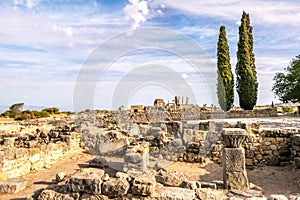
{"x":44,"y":178}
{"x":273,"y":180}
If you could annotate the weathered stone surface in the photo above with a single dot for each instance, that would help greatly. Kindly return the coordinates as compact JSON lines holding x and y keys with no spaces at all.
{"x":237,"y":181}
{"x":113,"y":147}
{"x":122,"y":175}
{"x":210,"y":194}
{"x":234,"y":137}
{"x":12,"y":186}
{"x":88,"y":181}
{"x":133,"y":157}
{"x":208,"y":185}
{"x":187,"y":135}
{"x":278,"y":197}
{"x":115,"y":187}
{"x":87,"y":196}
{"x":143,"y":184}
{"x":60,"y":176}
{"x":173,"y":178}
{"x":173,"y":193}
{"x":234,"y":169}
{"x":50,"y":194}
{"x":98,"y":162}
{"x":192,"y":185}
{"x":247,"y":193}
{"x":234,"y":159}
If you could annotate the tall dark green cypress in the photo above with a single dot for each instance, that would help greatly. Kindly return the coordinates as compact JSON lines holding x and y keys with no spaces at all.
{"x":252,"y":55}
{"x":225,"y":84}
{"x":245,"y":68}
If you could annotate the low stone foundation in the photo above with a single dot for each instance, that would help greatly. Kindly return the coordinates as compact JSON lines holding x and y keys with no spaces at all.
{"x":35,"y":146}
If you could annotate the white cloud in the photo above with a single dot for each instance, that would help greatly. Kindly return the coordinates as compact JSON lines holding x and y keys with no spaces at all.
{"x":28,"y":3}
{"x":262,"y":12}
{"x":136,"y":12}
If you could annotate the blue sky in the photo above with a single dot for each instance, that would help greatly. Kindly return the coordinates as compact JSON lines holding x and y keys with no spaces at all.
{"x":45,"y":43}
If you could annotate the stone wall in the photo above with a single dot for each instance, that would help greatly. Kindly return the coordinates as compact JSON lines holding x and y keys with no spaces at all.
{"x":264,"y":146}
{"x":34,"y":145}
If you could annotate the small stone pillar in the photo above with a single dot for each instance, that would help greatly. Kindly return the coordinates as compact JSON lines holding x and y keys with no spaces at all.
{"x":137,"y":157}
{"x":234,"y":168}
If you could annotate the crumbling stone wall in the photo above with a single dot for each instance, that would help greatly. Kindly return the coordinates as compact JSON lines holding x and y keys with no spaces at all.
{"x":269,"y":146}
{"x":30,"y":146}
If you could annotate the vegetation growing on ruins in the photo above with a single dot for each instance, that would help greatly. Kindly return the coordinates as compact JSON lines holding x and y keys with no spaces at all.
{"x":286,"y":86}
{"x":225,"y":83}
{"x":247,"y":84}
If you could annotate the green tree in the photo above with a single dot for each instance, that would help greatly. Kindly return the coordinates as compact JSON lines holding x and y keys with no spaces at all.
{"x":245,"y":68}
{"x":225,"y":81}
{"x":252,"y":55}
{"x":286,"y":86}
{"x":17,"y":107}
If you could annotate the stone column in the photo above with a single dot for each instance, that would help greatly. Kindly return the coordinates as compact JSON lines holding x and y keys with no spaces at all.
{"x":234,"y":168}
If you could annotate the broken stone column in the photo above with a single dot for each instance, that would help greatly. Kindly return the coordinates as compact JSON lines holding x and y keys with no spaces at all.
{"x":137,"y":157}
{"x":234,"y":168}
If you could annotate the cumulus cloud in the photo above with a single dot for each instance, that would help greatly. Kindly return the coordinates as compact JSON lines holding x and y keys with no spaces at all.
{"x":136,"y":12}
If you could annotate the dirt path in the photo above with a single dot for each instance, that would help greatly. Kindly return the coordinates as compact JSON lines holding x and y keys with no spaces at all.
{"x":273,"y":180}
{"x":45,"y":177}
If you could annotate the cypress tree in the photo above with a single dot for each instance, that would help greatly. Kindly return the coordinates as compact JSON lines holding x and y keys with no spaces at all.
{"x":225,"y":81}
{"x":252,"y":55}
{"x":245,"y":68}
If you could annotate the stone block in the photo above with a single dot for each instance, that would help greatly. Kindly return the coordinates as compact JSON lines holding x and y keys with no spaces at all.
{"x":12,"y":186}
{"x":277,"y":197}
{"x":89,"y":181}
{"x":173,"y":193}
{"x":133,"y":157}
{"x":115,"y":187}
{"x":9,"y":153}
{"x":50,"y":194}
{"x":86,"y":196}
{"x":234,"y":159}
{"x":210,"y":194}
{"x":143,"y":184}
{"x":35,"y":158}
{"x":60,"y":176}
{"x":25,"y":168}
{"x":173,"y":178}
{"x":236,"y":181}
{"x":113,"y":147}
{"x":37,"y":166}
{"x":192,"y":185}
{"x":98,"y":162}
{"x":187,"y":135}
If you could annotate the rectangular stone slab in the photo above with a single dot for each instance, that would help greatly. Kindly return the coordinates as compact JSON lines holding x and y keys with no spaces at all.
{"x":234,"y":169}
{"x":12,"y":186}
{"x":234,"y":159}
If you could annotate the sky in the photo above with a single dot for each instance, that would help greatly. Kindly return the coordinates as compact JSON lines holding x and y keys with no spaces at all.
{"x":47,"y":48}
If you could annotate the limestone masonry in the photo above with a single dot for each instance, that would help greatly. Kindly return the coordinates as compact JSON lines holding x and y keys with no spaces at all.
{"x":145,"y":141}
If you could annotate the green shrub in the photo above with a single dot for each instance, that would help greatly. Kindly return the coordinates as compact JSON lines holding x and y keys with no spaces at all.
{"x":287,"y":109}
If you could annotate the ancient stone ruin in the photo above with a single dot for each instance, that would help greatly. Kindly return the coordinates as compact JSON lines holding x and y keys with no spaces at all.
{"x":133,"y":150}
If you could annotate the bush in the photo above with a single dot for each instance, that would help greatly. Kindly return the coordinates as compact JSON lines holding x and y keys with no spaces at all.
{"x":53,"y":110}
{"x":288,"y":109}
